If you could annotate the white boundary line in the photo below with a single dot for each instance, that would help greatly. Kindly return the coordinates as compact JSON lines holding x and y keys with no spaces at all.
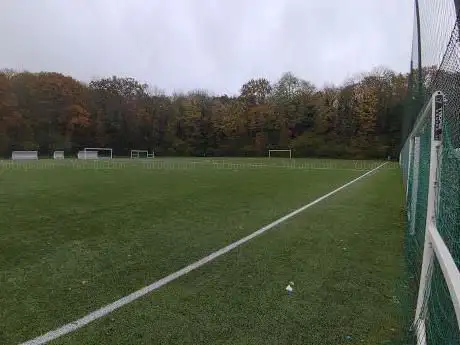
{"x":73,"y":326}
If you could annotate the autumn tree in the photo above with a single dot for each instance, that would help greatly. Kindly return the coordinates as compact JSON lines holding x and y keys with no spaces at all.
{"x":47,"y":111}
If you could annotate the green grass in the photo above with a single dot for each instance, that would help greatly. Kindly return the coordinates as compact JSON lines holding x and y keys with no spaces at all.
{"x":75,"y":236}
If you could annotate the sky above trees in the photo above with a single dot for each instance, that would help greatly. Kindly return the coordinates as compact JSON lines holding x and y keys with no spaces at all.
{"x":215,"y":45}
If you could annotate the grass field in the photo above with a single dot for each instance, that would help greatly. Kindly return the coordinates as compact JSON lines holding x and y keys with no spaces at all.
{"x":76,"y":235}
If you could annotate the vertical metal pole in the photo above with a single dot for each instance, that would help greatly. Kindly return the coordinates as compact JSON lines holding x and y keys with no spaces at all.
{"x":455,"y":136}
{"x":419,"y":57}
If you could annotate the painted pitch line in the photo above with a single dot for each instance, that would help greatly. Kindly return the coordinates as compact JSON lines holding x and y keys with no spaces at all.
{"x":73,"y":326}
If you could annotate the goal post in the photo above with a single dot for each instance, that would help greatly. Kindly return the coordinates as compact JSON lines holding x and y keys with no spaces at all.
{"x":95,"y":153}
{"x":142,"y":154}
{"x":430,"y":172}
{"x":287,"y":152}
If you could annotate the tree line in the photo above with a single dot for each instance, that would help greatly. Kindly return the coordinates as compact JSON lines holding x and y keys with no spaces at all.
{"x":49,"y":111}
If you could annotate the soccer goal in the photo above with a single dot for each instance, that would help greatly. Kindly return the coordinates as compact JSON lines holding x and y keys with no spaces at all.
{"x":142,"y":154}
{"x":58,"y":155}
{"x":432,"y":180}
{"x":280,"y":153}
{"x":95,"y":153}
{"x":24,"y":155}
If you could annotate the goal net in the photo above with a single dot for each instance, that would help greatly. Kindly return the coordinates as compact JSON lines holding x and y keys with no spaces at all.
{"x":58,"y":155}
{"x":287,"y":153}
{"x":142,"y":154}
{"x":24,"y":155}
{"x":430,"y":163}
{"x":95,"y":153}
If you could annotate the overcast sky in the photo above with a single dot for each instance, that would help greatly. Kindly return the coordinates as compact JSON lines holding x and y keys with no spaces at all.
{"x":211,"y":44}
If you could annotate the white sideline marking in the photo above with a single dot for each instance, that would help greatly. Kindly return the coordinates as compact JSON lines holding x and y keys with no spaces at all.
{"x":73,"y":326}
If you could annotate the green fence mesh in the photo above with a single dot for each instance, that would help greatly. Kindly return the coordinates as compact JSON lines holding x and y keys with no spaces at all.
{"x":434,"y":21}
{"x":435,"y":66}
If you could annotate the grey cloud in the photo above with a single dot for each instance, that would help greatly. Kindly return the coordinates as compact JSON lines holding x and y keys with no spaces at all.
{"x":216,"y":45}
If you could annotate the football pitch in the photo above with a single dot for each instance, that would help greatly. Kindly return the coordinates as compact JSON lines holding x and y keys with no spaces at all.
{"x":78,"y":235}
